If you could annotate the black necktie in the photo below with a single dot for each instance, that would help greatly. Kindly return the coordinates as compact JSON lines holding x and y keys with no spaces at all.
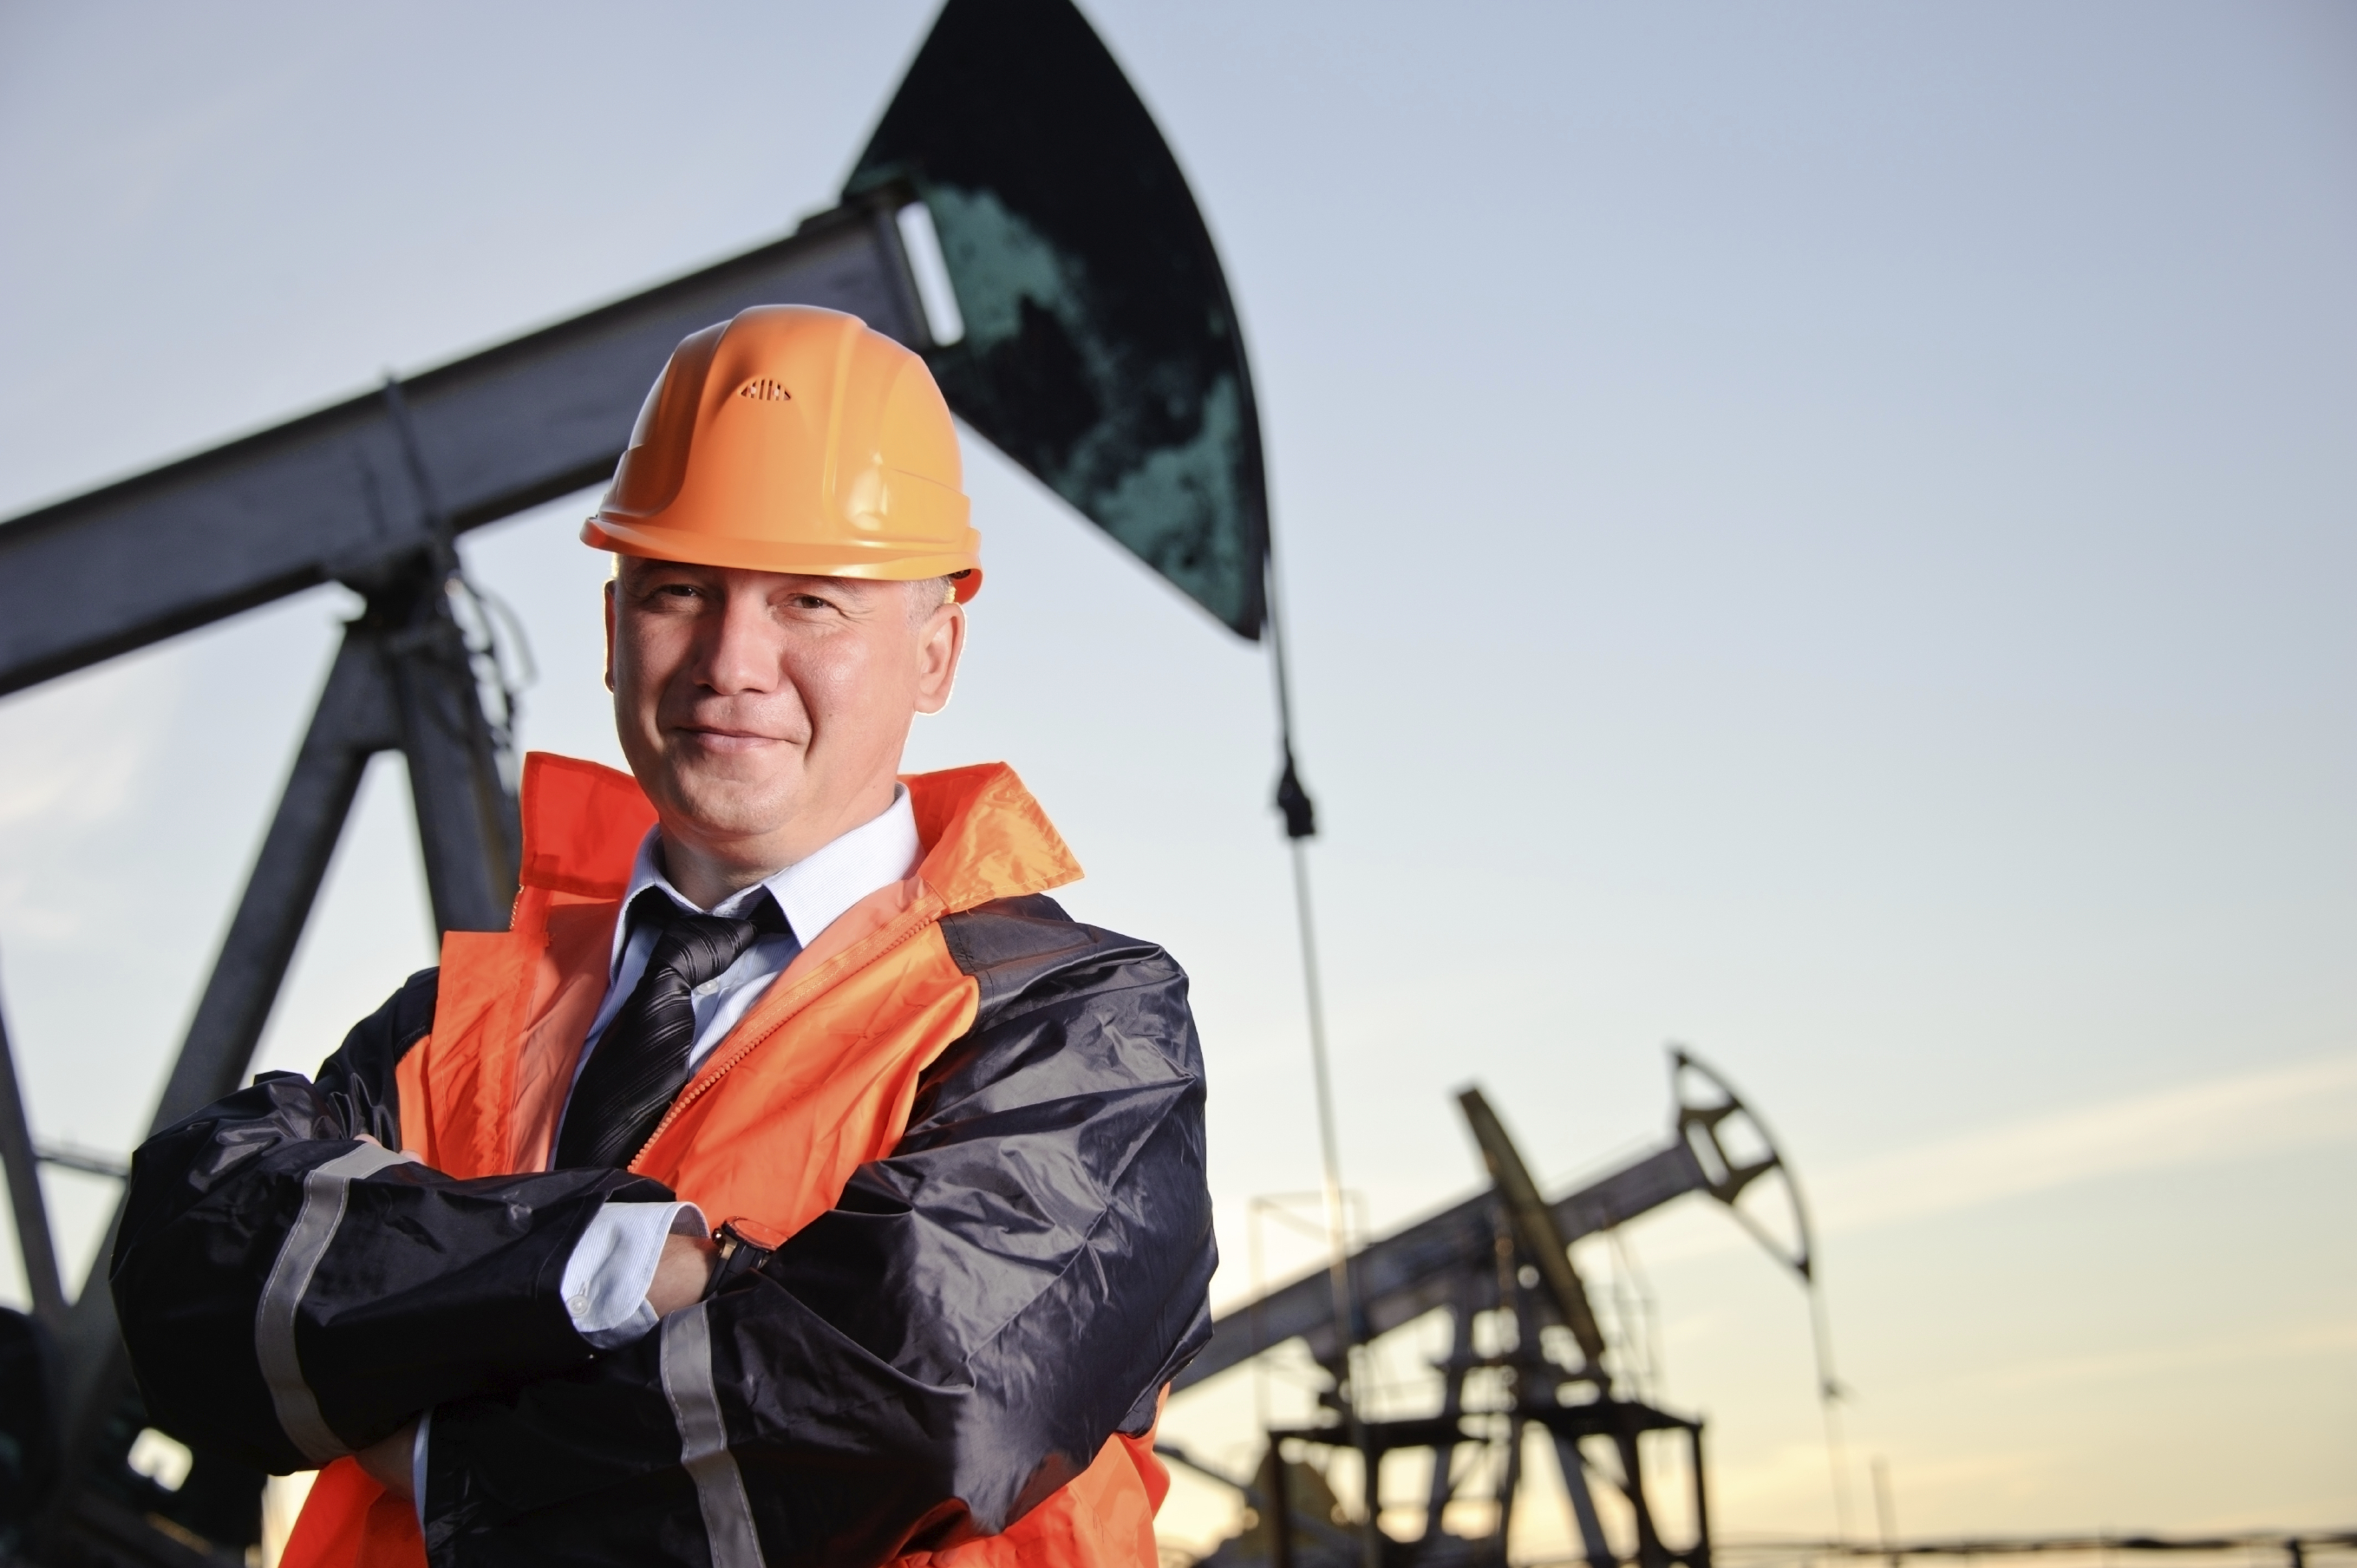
{"x":640,"y":1061}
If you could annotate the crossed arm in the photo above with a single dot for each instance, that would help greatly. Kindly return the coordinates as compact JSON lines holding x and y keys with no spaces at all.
{"x":979,"y":1313}
{"x":682,"y":1273}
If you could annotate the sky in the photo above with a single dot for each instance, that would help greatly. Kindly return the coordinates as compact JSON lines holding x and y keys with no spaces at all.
{"x":1820,"y":533}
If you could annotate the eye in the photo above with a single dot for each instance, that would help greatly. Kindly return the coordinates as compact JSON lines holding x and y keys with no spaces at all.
{"x":808,"y":602}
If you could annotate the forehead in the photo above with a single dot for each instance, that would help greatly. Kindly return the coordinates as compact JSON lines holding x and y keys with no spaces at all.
{"x":641,"y":567}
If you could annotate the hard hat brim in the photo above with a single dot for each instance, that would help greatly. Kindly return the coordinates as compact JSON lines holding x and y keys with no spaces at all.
{"x":883,"y":562}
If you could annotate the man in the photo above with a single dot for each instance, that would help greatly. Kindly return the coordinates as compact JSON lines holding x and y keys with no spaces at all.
{"x":793,"y":1182}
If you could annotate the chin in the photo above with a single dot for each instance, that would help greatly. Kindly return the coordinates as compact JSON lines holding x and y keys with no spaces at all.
{"x":726,"y":804}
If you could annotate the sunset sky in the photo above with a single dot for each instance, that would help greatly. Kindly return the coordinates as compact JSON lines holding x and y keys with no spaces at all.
{"x":1819,"y":531}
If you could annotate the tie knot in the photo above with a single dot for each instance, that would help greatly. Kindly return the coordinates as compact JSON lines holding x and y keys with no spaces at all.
{"x":697,"y":947}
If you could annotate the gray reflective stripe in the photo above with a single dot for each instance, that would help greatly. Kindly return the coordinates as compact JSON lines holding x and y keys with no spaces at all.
{"x":703,"y":1440}
{"x":323,"y":1191}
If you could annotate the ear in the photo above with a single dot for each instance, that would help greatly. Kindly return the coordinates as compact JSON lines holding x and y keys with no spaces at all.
{"x":940,"y":643}
{"x":610,"y":633}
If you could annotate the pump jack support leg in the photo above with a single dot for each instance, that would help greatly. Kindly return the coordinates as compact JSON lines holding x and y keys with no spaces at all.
{"x":353,"y":721}
{"x":1700,"y":1557}
{"x":1508,"y":1485}
{"x":23,"y":1168}
{"x":401,"y":680}
{"x":1274,"y":1487}
{"x":1452,"y":1405}
{"x":1650,"y":1551}
{"x":1582,"y":1503}
{"x":466,"y":820}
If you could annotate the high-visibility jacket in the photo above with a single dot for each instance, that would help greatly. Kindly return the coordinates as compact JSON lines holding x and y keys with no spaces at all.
{"x":961,"y":1137}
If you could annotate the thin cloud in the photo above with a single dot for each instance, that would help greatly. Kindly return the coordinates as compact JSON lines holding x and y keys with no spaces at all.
{"x":2268,"y":1111}
{"x":2305,"y":1342}
{"x":74,"y":752}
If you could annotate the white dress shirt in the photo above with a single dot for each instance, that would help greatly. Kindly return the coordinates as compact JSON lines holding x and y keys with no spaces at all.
{"x":612,"y":1266}
{"x":606,"y":1279}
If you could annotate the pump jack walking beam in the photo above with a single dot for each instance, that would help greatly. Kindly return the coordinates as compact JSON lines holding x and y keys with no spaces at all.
{"x":1406,"y":1275}
{"x":335,"y":496}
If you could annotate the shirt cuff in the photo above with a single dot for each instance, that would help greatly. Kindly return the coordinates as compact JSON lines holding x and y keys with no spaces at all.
{"x":612,"y":1265}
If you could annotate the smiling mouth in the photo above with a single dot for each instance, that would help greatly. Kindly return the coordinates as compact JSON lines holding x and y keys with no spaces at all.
{"x":716,"y":740}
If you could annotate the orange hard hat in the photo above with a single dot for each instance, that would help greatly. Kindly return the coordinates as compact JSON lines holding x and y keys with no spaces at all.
{"x":795,"y":439}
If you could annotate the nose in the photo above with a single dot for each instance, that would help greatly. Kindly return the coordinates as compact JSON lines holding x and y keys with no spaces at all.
{"x":740,"y":647}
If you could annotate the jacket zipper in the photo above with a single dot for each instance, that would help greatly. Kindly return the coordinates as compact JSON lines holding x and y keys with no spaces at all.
{"x":703,"y":1085}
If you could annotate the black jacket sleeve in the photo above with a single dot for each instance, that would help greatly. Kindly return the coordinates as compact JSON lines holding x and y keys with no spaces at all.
{"x":290,"y":1288}
{"x":959,"y":1336}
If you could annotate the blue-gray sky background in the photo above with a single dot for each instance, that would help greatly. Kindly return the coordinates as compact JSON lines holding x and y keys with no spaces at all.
{"x":1819,"y":531}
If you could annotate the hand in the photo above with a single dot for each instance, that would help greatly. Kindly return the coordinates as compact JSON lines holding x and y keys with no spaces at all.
{"x":684,"y":1274}
{"x":388,"y":1462}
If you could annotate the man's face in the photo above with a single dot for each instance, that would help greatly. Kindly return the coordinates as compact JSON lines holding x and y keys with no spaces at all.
{"x":764,"y":714}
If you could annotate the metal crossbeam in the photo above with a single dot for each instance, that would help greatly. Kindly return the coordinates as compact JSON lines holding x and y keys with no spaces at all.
{"x":1413,"y":1270}
{"x":336,"y":494}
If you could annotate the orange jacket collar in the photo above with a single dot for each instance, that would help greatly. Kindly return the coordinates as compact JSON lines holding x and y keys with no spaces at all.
{"x":983,"y":834}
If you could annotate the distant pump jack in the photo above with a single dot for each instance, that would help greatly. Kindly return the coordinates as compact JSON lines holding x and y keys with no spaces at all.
{"x":1508,"y":1251}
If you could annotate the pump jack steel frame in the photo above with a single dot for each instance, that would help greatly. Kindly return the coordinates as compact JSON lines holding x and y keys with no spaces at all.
{"x":1509,"y":1249}
{"x":1408,"y":1273}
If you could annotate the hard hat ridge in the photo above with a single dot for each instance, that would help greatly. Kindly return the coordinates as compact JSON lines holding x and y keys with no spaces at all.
{"x":795,"y":439}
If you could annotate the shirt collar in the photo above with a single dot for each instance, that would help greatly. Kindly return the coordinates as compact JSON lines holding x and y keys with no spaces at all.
{"x":813,"y":892}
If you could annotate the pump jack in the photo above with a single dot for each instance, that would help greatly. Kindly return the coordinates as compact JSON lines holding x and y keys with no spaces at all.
{"x":1508,"y":1251}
